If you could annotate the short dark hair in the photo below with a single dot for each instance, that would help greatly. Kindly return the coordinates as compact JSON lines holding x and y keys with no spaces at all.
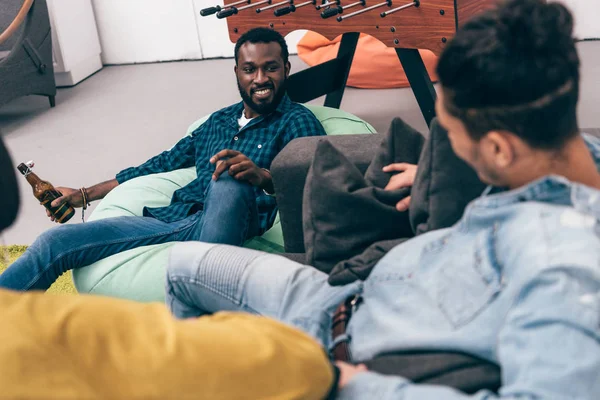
{"x":9,"y":202}
{"x":515,"y":68}
{"x":263,"y":35}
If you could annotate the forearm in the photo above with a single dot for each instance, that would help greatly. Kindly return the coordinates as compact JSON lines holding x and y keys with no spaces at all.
{"x":99,"y":191}
{"x":180,"y":156}
{"x":155,"y":165}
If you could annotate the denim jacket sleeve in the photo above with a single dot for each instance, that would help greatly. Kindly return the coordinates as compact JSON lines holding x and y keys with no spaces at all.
{"x":182,"y":155}
{"x":548,"y":348}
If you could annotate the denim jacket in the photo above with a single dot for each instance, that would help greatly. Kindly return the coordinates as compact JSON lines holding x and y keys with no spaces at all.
{"x":516,"y":281}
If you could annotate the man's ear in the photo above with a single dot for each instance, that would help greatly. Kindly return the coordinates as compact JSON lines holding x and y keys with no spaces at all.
{"x":235,"y":69}
{"x":501,"y":147}
{"x":288,"y":68}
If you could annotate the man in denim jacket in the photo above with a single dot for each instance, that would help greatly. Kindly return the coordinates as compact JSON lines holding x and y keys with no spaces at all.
{"x":516,"y":281}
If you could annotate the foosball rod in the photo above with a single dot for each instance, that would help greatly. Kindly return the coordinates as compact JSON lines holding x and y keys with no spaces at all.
{"x":259,"y":10}
{"x":415,"y":3}
{"x":329,"y":3}
{"x":211,"y":10}
{"x":234,"y":10}
{"x":364,"y":10}
{"x":290,"y":9}
{"x":338,"y":10}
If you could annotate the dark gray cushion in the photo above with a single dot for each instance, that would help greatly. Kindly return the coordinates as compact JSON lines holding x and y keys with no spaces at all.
{"x":360,"y":266}
{"x":401,"y":143}
{"x":444,"y":184}
{"x":344,"y":212}
{"x":289,"y":170}
{"x":443,"y":187}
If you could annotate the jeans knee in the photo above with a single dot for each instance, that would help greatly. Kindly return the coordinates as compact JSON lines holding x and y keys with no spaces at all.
{"x":185,"y":260}
{"x":179,"y":267}
{"x":230,"y":212}
{"x":227,"y":189}
{"x":53,"y":236}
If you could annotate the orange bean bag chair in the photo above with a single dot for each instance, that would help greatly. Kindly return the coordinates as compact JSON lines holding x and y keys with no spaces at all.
{"x":375,"y":66}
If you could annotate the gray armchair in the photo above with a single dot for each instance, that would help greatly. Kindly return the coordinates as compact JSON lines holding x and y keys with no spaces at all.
{"x":26,"y":65}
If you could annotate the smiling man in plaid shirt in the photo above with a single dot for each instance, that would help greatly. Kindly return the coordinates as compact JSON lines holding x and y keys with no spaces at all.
{"x":229,"y":202}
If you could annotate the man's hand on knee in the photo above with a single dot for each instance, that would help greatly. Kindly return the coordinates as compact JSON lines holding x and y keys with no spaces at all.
{"x":241,"y":168}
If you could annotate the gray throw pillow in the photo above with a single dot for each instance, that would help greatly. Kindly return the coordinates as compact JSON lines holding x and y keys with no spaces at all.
{"x":360,"y":266}
{"x":345,"y":212}
{"x":443,"y":187}
{"x":444,"y":184}
{"x":402,"y":143}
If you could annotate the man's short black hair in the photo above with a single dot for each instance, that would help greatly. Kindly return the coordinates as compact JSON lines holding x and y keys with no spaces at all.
{"x":263,"y":35}
{"x":515,"y":68}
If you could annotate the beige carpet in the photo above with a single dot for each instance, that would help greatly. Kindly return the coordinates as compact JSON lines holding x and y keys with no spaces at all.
{"x":8,"y":254}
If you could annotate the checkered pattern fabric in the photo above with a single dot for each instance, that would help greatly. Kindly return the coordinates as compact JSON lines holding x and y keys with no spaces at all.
{"x":260,"y":140}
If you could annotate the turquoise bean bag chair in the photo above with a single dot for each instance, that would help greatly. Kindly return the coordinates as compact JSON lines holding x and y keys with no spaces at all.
{"x":139,"y":274}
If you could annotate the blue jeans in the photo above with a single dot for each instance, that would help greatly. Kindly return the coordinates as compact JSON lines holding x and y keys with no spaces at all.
{"x":229,"y":216}
{"x":205,"y":278}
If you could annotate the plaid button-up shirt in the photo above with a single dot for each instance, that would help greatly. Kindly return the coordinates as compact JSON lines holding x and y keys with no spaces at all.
{"x":260,"y":140}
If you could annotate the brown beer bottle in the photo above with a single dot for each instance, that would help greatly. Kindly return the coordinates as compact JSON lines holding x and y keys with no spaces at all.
{"x":46,"y":193}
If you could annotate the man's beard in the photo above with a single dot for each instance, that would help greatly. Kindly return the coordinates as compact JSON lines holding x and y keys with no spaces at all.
{"x":263,"y":109}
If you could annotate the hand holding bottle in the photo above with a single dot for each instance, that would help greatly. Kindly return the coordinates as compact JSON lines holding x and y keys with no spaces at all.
{"x":60,"y":201}
{"x":72,"y":197}
{"x":46,"y":194}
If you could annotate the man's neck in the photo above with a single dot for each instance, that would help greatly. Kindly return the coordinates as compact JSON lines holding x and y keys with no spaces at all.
{"x":574,"y":162}
{"x":249,"y":113}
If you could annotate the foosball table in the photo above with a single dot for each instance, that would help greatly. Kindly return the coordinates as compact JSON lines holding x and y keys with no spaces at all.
{"x":402,"y":24}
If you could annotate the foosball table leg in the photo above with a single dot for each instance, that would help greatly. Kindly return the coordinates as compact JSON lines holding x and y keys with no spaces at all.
{"x":419,"y":81}
{"x":346,"y":51}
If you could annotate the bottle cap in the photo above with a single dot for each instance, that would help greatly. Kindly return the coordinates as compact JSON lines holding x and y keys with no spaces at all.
{"x":25,"y":168}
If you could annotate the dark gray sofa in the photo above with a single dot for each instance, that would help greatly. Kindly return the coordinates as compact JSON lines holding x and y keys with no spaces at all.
{"x":26,"y":65}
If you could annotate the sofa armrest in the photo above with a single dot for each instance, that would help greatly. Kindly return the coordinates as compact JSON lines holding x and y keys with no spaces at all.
{"x":289,"y":170}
